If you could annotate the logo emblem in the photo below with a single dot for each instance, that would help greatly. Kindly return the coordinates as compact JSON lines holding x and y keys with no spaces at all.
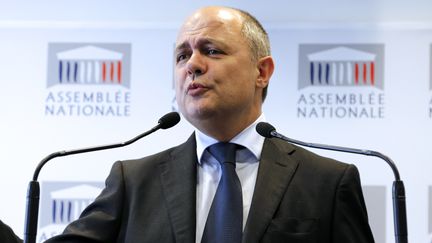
{"x":88,"y":80}
{"x":63,"y":202}
{"x":341,"y":65}
{"x":341,"y":81}
{"x":88,"y":64}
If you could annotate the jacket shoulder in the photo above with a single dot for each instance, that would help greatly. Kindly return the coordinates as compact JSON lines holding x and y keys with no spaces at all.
{"x":154,"y":160}
{"x":309,"y":159}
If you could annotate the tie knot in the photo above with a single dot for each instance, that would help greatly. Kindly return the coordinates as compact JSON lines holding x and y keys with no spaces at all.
{"x":224,"y":152}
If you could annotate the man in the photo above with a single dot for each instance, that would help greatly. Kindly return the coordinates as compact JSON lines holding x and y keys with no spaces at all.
{"x":7,"y":235}
{"x":287,"y":194}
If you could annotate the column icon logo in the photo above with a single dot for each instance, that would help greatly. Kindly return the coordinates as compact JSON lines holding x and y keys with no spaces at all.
{"x":341,"y":65}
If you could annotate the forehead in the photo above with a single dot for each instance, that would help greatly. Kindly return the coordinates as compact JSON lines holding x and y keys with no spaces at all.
{"x":211,"y":25}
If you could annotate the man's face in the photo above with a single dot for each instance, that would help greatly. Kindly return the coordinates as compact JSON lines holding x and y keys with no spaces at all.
{"x":214,"y":72}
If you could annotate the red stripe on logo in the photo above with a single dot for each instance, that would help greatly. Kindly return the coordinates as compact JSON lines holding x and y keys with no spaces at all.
{"x":119,"y":71}
{"x":364,"y":73}
{"x":103,"y":71}
{"x":112,"y":71}
{"x":356,"y":73}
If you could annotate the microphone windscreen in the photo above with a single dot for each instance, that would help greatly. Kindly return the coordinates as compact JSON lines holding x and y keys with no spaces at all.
{"x":264,"y":129}
{"x":169,"y":120}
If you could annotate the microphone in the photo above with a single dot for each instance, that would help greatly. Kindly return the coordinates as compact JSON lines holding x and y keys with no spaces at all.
{"x":33,"y":192}
{"x":399,"y":207}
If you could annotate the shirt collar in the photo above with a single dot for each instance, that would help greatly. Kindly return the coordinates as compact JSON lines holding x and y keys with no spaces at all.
{"x":248,"y":138}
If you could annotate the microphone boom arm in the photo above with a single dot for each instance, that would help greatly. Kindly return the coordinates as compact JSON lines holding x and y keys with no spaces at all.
{"x":343,"y":149}
{"x":33,"y":191}
{"x":89,"y":149}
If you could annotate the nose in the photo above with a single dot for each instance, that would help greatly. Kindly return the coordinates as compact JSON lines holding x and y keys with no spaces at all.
{"x":196,"y":65}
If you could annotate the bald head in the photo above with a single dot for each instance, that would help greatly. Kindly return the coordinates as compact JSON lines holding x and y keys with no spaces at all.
{"x":250,"y":28}
{"x":219,"y":82}
{"x":212,"y":17}
{"x":220,"y":13}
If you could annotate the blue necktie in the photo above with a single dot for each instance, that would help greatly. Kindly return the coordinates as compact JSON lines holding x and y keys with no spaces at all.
{"x":225,"y":220}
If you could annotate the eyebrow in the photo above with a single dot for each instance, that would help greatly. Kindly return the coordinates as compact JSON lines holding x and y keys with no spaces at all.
{"x":202,"y":42}
{"x":182,"y":46}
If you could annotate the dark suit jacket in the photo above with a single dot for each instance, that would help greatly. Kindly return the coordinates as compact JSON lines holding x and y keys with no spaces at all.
{"x":299,"y":197}
{"x":7,"y":235}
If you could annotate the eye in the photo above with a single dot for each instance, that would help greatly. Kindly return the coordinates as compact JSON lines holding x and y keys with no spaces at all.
{"x":212,"y":51}
{"x":181,"y":56}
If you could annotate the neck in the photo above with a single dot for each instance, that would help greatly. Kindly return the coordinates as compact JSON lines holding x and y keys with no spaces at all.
{"x":225,"y":128}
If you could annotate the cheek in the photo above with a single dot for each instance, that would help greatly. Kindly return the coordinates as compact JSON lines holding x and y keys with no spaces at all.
{"x":179,"y":80}
{"x":180,"y":91}
{"x":179,"y":94}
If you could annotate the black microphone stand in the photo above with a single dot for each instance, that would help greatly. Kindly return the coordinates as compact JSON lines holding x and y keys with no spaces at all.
{"x":33,"y":191}
{"x":399,"y":206}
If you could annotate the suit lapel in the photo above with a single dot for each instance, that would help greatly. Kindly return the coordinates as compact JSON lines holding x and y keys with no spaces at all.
{"x":178,"y":177}
{"x":274,"y":174}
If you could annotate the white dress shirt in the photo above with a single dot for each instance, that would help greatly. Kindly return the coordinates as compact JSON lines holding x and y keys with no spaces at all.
{"x":209,"y":172}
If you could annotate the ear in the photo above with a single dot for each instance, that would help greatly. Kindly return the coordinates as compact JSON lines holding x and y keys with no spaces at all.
{"x":265,"y":69}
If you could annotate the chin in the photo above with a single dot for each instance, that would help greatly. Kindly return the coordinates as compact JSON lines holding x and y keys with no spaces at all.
{"x":198,"y":114}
